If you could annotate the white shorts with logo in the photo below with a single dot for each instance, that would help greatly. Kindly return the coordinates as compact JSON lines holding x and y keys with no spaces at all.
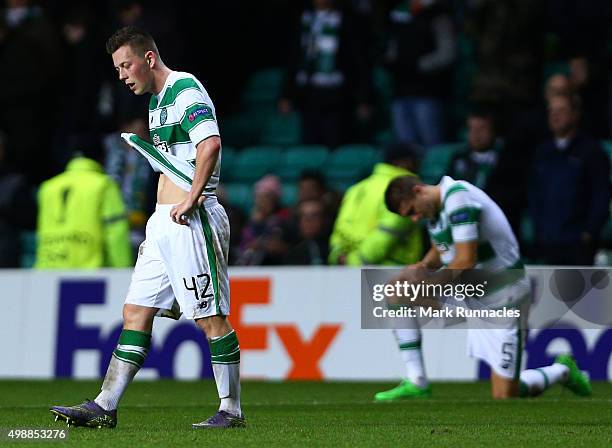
{"x":500,"y":342}
{"x":183,"y":269}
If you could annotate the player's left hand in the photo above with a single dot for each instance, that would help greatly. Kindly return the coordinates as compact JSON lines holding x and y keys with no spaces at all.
{"x":180,"y":212}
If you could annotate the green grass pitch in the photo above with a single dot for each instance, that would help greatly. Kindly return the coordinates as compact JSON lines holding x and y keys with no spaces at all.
{"x":160,"y":413}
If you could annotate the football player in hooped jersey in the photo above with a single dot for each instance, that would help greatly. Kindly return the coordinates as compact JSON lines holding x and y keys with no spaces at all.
{"x":182,"y":264}
{"x":468,"y":230}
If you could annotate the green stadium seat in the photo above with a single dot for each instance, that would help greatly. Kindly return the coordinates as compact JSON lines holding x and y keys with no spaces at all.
{"x":527,"y":230}
{"x":241,"y":130}
{"x":606,"y":234}
{"x":228,"y":158}
{"x":263,"y":89}
{"x":289,"y":195}
{"x":351,"y":162}
{"x":607,"y":145}
{"x":255,"y":162}
{"x":341,"y":185}
{"x":384,"y":137}
{"x":281,"y":129}
{"x":436,"y":162}
{"x":239,"y":195}
{"x":383,"y":86}
{"x":28,"y":248}
{"x":299,"y":158}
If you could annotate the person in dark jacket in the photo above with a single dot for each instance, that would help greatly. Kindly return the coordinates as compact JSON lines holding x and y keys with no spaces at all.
{"x":419,"y":55}
{"x":328,"y":79}
{"x":569,"y":195}
{"x":477,"y":161}
{"x":17,"y":211}
{"x":313,"y":244}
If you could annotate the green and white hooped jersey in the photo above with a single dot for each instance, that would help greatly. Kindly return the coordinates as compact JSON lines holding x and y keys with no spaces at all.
{"x":180,"y":117}
{"x":469,"y":214}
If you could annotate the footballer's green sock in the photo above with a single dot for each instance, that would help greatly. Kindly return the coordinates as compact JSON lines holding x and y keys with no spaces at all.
{"x":225,"y":359}
{"x":127,"y":359}
{"x":533,"y":382}
{"x":409,"y":342}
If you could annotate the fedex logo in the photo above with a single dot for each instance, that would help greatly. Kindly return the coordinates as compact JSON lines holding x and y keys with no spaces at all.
{"x":305,"y":353}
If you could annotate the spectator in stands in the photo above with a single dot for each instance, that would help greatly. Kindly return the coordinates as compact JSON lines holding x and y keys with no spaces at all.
{"x":478,"y":159}
{"x":365,"y":232}
{"x":313,"y":246}
{"x":30,"y":61}
{"x":508,"y":38}
{"x":311,"y":185}
{"x":509,"y":183}
{"x":263,"y":237}
{"x":419,"y":56}
{"x":17,"y":210}
{"x":81,"y":216}
{"x":570,"y":192}
{"x":583,"y":31}
{"x":80,"y":81}
{"x":328,"y":77}
{"x":132,"y":173}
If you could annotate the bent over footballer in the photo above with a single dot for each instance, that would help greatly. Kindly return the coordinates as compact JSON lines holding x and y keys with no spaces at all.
{"x":182,"y":264}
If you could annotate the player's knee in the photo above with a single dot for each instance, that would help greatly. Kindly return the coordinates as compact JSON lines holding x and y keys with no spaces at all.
{"x":138,"y":317}
{"x":214,"y":326}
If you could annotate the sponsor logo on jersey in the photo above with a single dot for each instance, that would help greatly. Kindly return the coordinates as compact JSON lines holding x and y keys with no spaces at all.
{"x":163,"y":116}
{"x":205,"y":111}
{"x":161,"y":146}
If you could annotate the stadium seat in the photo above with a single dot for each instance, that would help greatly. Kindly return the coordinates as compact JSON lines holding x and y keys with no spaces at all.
{"x":384,"y":137}
{"x":383,"y":86}
{"x":239,"y":195}
{"x":436,"y":162}
{"x":228,"y":158}
{"x":299,"y":158}
{"x":28,"y":248}
{"x":289,"y":194}
{"x":254,"y":162}
{"x":241,"y":130}
{"x":341,"y":185}
{"x":527,"y":230}
{"x":263,"y":89}
{"x":606,"y":234}
{"x":281,"y":129}
{"x":351,"y":162}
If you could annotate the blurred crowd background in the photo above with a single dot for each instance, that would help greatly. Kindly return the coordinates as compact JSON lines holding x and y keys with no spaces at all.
{"x":313,"y":98}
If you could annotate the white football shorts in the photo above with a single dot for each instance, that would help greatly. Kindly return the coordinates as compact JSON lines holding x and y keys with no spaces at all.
{"x":183,"y":269}
{"x":500,"y":342}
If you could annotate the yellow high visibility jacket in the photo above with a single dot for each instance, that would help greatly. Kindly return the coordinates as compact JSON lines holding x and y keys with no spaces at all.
{"x":365,"y":232}
{"x":81,"y":220}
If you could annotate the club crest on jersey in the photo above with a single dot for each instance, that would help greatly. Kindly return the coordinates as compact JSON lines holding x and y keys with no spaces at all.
{"x":163,"y":116}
